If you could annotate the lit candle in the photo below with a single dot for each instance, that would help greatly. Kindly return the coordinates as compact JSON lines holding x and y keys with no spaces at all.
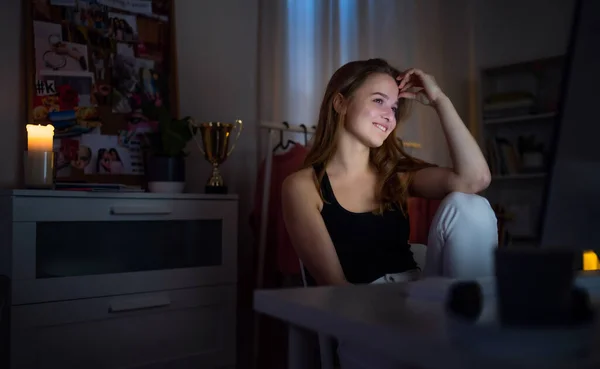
{"x":40,"y":138}
{"x":590,"y":260}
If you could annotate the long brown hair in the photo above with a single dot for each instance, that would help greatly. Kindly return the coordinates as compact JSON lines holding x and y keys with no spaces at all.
{"x":389,"y":159}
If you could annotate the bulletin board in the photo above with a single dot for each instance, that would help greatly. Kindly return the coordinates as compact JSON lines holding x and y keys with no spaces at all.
{"x":92,"y":68}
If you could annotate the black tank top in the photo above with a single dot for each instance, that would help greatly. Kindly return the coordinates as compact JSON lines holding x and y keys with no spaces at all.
{"x":368,"y":245}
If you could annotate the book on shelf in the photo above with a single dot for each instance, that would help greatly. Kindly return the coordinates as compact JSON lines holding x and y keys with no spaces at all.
{"x":508,"y":109}
{"x":503,"y":157}
{"x":503,"y":217}
{"x":506,"y":157}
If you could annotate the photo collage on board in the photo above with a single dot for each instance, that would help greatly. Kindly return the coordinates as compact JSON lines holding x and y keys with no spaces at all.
{"x":98,"y":65}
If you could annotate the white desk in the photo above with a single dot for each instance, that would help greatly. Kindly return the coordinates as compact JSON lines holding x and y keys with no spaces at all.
{"x":414,"y":330}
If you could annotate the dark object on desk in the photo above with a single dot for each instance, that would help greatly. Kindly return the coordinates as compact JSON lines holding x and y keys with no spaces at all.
{"x":535,"y":288}
{"x":582,"y":310}
{"x":465,"y":300}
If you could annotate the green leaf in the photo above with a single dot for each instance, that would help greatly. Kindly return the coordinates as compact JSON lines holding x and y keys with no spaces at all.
{"x":173,"y":134}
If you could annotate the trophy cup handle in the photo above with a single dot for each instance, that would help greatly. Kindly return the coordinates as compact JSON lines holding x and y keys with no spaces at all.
{"x":239,"y":129}
{"x":192,"y":124}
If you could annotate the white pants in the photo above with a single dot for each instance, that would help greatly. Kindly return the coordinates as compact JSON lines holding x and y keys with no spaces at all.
{"x":461,"y":243}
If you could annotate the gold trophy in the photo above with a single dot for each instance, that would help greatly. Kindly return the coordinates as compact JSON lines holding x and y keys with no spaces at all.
{"x":215,"y":147}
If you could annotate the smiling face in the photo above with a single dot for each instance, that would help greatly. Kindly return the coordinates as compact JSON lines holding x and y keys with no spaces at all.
{"x":357,"y":114}
{"x":371,"y":110}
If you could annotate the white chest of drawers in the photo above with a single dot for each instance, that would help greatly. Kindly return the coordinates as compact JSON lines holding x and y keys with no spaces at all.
{"x":120,"y":280}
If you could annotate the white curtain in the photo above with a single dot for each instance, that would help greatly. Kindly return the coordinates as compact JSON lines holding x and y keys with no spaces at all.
{"x":302,"y":42}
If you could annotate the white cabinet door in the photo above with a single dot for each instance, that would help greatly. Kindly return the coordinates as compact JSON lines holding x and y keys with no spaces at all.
{"x":127,"y":331}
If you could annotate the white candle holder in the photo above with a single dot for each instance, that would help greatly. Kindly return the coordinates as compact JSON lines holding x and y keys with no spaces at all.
{"x":39,"y":169}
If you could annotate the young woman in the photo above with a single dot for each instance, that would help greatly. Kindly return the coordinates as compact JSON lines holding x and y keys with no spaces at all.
{"x":346,"y":210}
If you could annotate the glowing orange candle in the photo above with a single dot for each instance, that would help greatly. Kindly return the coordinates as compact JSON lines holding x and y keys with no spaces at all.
{"x":40,"y":138}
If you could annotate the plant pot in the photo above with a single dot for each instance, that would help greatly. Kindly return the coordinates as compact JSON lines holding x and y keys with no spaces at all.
{"x":165,"y":174}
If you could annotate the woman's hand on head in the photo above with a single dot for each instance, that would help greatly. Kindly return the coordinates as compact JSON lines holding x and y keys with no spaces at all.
{"x":470,"y":172}
{"x":417,"y":85}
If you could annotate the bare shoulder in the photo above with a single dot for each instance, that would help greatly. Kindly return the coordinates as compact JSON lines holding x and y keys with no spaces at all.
{"x":301,"y":185}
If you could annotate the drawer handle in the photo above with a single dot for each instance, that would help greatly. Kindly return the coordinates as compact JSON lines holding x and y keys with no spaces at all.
{"x":123,"y":305}
{"x":139,"y":210}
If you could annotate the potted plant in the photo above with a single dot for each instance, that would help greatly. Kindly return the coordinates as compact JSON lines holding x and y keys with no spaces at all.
{"x":164,"y":150}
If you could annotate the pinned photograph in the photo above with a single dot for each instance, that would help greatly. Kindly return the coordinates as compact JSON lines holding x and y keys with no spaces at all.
{"x":52,"y":53}
{"x":127,"y":50}
{"x":122,"y":27}
{"x":137,"y":126}
{"x":134,"y":81}
{"x":99,"y":63}
{"x":71,"y":155}
{"x":108,"y":156}
{"x":131,"y":6}
{"x":65,"y":101}
{"x":124,"y":81}
{"x":136,"y":158}
{"x":89,"y":14}
{"x":73,"y":89}
{"x":150,"y":82}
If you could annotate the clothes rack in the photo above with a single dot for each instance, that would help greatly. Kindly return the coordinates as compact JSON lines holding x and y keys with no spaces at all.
{"x":271,"y":128}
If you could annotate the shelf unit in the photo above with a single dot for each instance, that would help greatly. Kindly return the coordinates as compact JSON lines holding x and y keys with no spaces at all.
{"x":517,"y":114}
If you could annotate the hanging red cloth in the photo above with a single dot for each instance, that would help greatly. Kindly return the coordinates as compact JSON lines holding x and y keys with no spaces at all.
{"x":421,"y":212}
{"x":280,"y":256}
